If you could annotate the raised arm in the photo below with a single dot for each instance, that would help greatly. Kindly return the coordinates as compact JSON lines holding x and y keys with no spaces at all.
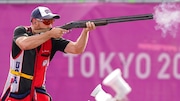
{"x":79,"y":45}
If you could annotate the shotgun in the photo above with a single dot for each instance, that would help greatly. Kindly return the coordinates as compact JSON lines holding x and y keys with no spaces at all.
{"x":101,"y":21}
{"x":105,"y":21}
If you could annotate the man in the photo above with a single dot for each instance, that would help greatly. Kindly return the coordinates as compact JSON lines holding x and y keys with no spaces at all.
{"x":32,"y":50}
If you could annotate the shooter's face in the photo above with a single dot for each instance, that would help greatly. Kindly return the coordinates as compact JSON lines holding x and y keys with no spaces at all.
{"x":43,"y":23}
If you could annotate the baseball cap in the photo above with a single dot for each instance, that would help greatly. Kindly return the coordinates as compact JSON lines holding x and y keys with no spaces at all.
{"x":43,"y":13}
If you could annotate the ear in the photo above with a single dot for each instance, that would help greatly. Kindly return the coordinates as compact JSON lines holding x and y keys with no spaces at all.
{"x":33,"y":21}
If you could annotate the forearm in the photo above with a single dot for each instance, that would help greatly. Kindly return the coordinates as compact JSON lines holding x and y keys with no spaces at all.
{"x":31,"y":42}
{"x":82,"y":40}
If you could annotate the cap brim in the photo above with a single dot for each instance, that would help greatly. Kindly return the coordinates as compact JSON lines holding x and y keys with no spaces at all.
{"x":51,"y":16}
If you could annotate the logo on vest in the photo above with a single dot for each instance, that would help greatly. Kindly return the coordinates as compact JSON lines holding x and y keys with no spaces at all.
{"x":45,"y":63}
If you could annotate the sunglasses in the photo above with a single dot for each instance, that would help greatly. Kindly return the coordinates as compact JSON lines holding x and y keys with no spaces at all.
{"x":46,"y":21}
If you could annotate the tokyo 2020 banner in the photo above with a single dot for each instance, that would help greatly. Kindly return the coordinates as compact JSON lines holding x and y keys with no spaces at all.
{"x":149,"y":61}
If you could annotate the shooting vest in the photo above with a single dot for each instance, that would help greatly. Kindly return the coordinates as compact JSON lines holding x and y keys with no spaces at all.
{"x":41,"y":63}
{"x":40,"y":66}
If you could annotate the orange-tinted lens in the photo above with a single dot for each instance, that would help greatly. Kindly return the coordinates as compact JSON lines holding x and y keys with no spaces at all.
{"x":48,"y":21}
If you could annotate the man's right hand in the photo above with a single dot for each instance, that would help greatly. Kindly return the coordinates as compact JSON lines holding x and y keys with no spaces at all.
{"x":57,"y":32}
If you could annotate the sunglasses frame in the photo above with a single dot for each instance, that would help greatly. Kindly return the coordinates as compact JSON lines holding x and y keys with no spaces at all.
{"x":46,"y":21}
